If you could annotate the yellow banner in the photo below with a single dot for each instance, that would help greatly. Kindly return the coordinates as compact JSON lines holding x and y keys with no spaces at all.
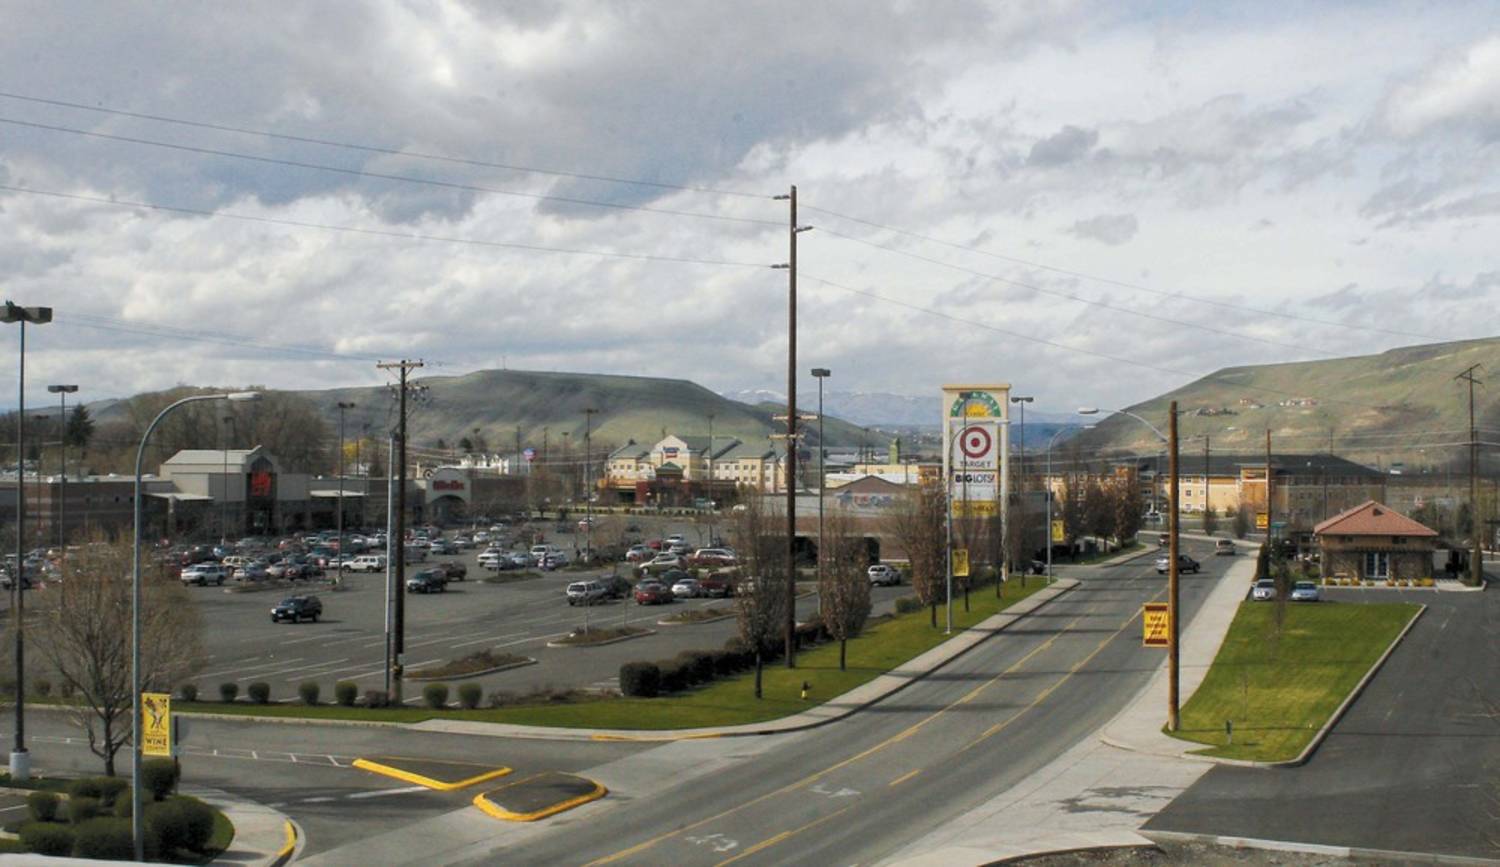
{"x":1156,"y":625}
{"x":1261,"y":521}
{"x":1059,"y":532}
{"x":975,"y":508}
{"x":961,"y":562}
{"x":156,"y":724}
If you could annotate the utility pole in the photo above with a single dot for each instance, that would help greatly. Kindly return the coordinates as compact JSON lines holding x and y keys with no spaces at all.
{"x":791,"y":428}
{"x":1269,"y":510}
{"x":1207,"y":500}
{"x":1476,"y":561}
{"x":588,"y":493}
{"x":517,"y":466}
{"x":711,"y":480}
{"x":1325,"y":474}
{"x":62,"y":391}
{"x":395,"y":545}
{"x":342,"y":407}
{"x":1172,"y":571}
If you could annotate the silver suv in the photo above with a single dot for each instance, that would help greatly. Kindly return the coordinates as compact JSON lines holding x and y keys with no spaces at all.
{"x":204,"y":574}
{"x":586,"y":592}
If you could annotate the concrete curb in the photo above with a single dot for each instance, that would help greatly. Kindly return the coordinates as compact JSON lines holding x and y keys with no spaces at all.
{"x":423,"y":678}
{"x":262,"y":835}
{"x":1346,"y":852}
{"x":665,"y":622}
{"x":602,"y":643}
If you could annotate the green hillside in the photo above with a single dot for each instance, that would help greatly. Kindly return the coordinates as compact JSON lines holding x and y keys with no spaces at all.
{"x":1403,"y":405}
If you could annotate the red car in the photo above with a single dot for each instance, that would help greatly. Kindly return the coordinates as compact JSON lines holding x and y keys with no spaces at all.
{"x":720,"y":584}
{"x":652,"y":593}
{"x":654,"y":544}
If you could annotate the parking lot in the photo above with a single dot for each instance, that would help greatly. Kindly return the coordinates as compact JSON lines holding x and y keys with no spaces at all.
{"x":243,"y":646}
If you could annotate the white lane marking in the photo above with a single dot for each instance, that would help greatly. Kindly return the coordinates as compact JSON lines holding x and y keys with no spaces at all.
{"x":241,"y":669}
{"x":383,"y":792}
{"x":320,"y":800}
{"x":489,"y":638}
{"x":279,"y":672}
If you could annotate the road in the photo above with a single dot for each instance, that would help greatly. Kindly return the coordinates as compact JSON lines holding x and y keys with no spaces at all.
{"x":1413,"y":767}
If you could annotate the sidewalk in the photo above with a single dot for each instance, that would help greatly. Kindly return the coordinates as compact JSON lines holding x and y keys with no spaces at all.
{"x":834,"y":709}
{"x":262,"y":836}
{"x":1103,"y":789}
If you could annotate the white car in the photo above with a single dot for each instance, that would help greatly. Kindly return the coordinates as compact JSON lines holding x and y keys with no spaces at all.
{"x":366,"y":563}
{"x":674,"y":539}
{"x":1265,"y":590}
{"x":882,"y":575}
{"x":686,"y":588}
{"x":586,"y":592}
{"x":204,"y":574}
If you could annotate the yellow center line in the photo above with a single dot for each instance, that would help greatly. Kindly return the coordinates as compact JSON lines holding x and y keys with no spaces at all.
{"x":772,"y":841}
{"x":906,"y":776}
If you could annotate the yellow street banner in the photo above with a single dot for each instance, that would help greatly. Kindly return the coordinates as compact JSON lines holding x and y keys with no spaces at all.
{"x":156,"y":724}
{"x":1156,"y":624}
{"x":975,"y":508}
{"x":961,"y":562}
{"x":1059,"y":532}
{"x":1261,"y":521}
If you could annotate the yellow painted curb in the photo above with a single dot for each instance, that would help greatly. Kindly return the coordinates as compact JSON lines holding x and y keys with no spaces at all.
{"x":285,"y":854}
{"x":655,"y":739}
{"x":492,"y":809}
{"x":429,"y":782}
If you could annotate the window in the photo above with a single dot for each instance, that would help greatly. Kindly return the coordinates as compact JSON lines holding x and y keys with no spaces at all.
{"x":1377,"y":564}
{"x":1398,"y":540}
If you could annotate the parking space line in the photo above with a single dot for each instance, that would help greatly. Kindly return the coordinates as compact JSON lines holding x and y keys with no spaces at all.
{"x":489,"y":638}
{"x":243,"y":668}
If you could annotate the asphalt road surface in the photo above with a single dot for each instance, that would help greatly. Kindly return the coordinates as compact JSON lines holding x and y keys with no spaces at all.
{"x":1414,"y":766}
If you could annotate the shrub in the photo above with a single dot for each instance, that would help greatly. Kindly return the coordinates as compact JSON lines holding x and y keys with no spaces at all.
{"x":86,"y":787}
{"x":47,"y":838}
{"x":699,"y":666}
{"x":675,"y":675}
{"x":123,"y":808}
{"x":181,"y":823}
{"x":259,"y":692}
{"x":435,"y":695}
{"x":106,"y":839}
{"x":80,"y":809}
{"x":188,"y":692}
{"x":308,"y":690}
{"x":229,"y":691}
{"x":908,"y":604}
{"x":376,"y":698}
{"x":469,"y":695}
{"x":42,"y":806}
{"x":809,"y":633}
{"x":111,"y":788}
{"x":726,"y":662}
{"x":42,"y":687}
{"x":345,"y":692}
{"x":640,"y":679}
{"x":158,"y":776}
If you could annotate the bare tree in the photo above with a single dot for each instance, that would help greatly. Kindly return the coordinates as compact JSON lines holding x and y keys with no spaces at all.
{"x":85,"y":636}
{"x":1210,"y":520}
{"x":845,"y":584}
{"x":1125,"y":499}
{"x":760,"y":597}
{"x":917,"y":522}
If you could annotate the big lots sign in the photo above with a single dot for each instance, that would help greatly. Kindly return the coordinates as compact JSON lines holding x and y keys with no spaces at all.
{"x":448,"y":484}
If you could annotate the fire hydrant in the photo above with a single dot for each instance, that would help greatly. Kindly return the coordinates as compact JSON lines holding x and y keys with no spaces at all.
{"x":806,"y":687}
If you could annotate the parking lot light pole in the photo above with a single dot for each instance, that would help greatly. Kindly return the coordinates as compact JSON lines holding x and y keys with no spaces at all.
{"x":136,"y":826}
{"x":342,"y":406}
{"x":62,"y":392}
{"x":20,"y":759}
{"x":821,"y":373}
{"x":1170,"y":440}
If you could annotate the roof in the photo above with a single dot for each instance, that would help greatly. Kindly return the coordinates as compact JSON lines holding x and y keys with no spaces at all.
{"x":741,"y":450}
{"x":1190,"y":463}
{"x":1372,"y":519}
{"x":631,"y":449}
{"x":210,"y":456}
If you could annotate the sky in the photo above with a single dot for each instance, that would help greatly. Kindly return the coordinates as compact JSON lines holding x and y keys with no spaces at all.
{"x":1095,"y":202}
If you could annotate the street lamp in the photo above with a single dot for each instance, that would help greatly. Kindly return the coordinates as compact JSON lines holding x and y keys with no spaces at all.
{"x":1172,"y":571}
{"x":20,"y":760}
{"x":224,"y":474}
{"x":342,"y":405}
{"x":136,"y":826}
{"x":62,"y":392}
{"x":1010,"y":555}
{"x":821,"y":373}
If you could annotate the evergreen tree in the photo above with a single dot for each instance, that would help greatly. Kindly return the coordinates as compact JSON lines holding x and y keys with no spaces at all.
{"x":80,"y":428}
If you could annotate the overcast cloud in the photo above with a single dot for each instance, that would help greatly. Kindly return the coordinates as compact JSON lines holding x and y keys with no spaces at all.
{"x":1337,"y":163}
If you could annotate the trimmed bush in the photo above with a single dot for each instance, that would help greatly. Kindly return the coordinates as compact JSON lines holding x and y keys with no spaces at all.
{"x":698,"y":664}
{"x":111,"y":788}
{"x":726,"y":662}
{"x":259,"y":692}
{"x":47,"y":838}
{"x":908,"y":604}
{"x":43,"y":807}
{"x":675,"y":675}
{"x":469,"y":695}
{"x":86,"y":787}
{"x":181,"y":823}
{"x":159,"y":777}
{"x":435,"y":695}
{"x":345,"y":692}
{"x":229,"y":691}
{"x":308,"y":690}
{"x":105,"y":839}
{"x":376,"y":698}
{"x":188,"y":692}
{"x":80,"y":809}
{"x":123,"y":808}
{"x":640,"y":679}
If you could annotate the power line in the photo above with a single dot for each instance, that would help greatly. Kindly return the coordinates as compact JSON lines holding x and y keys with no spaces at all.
{"x":1122,"y":283}
{"x":406,"y":179}
{"x":379,"y":233}
{"x":102,"y":323}
{"x":381,"y":150}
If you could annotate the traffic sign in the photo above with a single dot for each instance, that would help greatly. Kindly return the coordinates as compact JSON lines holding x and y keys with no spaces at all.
{"x":1156,"y":625}
{"x":1059,"y":531}
{"x":960,"y":562}
{"x":156,"y":724}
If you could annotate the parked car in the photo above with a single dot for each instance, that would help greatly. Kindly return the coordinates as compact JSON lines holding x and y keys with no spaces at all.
{"x":295,"y":608}
{"x":255,"y":570}
{"x":454,"y":570}
{"x":652,"y":593}
{"x":441,"y":547}
{"x":367,"y":563}
{"x":1163,"y":540}
{"x":882,"y":575}
{"x":686,"y":588}
{"x":717,"y":585}
{"x":665,"y":560}
{"x":586,"y":593}
{"x":639,"y":553}
{"x":1264,"y":590}
{"x":712,"y":557}
{"x":427,"y":581}
{"x":204,"y":574}
{"x":540,"y":551}
{"x":1224,"y":548}
{"x":553,"y":561}
{"x":586,"y":522}
{"x":675,"y":539}
{"x":518,"y":560}
{"x":615,"y":587}
{"x":1305,"y":591}
{"x":1184,"y":564}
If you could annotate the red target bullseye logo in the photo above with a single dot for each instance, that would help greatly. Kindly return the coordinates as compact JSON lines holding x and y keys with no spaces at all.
{"x":975,"y":442}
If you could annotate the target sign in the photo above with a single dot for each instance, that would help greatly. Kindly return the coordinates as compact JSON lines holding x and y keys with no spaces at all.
{"x":977,"y":443}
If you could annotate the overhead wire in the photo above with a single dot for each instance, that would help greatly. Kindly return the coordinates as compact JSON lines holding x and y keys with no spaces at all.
{"x":158,"y":118}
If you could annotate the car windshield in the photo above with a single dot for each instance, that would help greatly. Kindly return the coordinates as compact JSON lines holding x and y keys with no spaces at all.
{"x":1265,"y":584}
{"x":293,"y":601}
{"x":1306,"y":585}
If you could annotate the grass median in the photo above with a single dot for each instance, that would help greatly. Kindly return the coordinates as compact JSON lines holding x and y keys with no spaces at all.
{"x":1278,"y":685}
{"x":884,"y":646}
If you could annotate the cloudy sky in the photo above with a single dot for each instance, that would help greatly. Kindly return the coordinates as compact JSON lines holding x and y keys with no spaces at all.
{"x":1093,"y":201}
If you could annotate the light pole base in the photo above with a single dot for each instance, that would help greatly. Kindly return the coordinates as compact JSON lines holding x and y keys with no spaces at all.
{"x":20,"y":765}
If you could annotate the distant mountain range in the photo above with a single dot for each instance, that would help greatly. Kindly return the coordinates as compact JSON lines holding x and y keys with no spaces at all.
{"x":879,"y":408}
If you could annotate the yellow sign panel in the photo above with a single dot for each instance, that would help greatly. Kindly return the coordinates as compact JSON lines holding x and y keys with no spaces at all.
{"x":1059,"y":532}
{"x":1261,"y":521}
{"x":1156,"y":625}
{"x":975,"y":508}
{"x":961,"y":562}
{"x":156,"y":724}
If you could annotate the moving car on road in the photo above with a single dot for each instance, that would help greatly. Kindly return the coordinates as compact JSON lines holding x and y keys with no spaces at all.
{"x":1184,"y":564}
{"x":295,"y":608}
{"x":1264,"y":590}
{"x":1305,"y":591}
{"x":1224,"y":548}
{"x":883,"y":575}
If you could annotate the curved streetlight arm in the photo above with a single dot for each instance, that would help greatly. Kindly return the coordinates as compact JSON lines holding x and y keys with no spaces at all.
{"x":1093,"y":410}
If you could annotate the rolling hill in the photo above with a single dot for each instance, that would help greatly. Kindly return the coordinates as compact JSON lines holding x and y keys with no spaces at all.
{"x":1402,"y":406}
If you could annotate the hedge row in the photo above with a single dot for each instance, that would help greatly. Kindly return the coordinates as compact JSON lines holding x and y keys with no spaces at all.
{"x":694,"y":667}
